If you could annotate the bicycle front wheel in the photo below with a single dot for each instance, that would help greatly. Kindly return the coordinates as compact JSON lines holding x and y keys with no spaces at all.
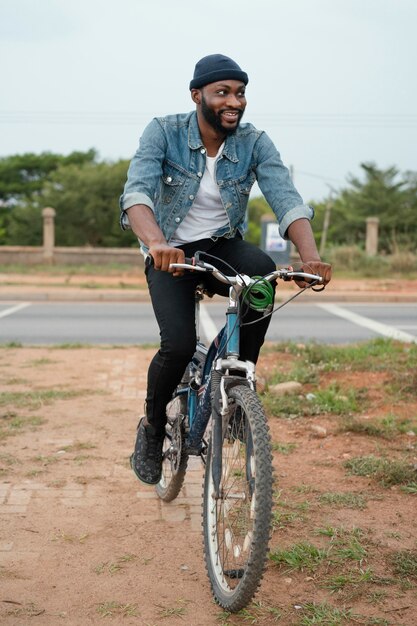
{"x":237,"y":524}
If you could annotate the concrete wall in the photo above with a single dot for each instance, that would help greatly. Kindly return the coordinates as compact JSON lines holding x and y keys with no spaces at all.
{"x":32,"y":255}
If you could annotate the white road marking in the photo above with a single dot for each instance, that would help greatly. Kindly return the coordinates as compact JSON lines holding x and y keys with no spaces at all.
{"x":408,"y":326}
{"x":14,"y":309}
{"x":208,"y":327}
{"x":366,"y":322}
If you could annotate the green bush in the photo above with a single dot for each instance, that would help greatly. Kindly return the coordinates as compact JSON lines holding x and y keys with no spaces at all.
{"x":403,"y":262}
{"x":346,"y":258}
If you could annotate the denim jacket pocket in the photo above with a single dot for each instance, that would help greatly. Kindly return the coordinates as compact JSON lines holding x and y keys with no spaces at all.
{"x":172,"y":181}
{"x":245,"y":183}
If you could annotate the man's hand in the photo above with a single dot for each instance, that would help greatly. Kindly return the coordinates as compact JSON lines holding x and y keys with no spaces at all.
{"x":301,"y":235}
{"x":316,"y":267}
{"x":164,"y":254}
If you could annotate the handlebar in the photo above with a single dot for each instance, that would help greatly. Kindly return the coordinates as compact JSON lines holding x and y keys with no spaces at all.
{"x":243,"y":280}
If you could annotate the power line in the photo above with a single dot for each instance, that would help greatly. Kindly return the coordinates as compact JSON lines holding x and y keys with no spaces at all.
{"x":311,"y":120}
{"x":325,"y":178}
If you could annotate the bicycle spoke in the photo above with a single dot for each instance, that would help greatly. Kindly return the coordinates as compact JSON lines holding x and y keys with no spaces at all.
{"x":236,"y":528}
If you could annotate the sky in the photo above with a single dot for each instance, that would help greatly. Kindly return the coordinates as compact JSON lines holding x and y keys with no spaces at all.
{"x":332,"y":82}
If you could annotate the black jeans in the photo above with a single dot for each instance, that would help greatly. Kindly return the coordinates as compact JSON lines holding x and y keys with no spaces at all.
{"x":174,"y":307}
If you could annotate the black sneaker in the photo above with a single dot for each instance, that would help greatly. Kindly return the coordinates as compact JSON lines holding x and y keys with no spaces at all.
{"x":146,"y":461}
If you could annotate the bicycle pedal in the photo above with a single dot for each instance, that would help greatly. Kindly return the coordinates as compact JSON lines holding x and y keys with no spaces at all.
{"x":234,"y":573}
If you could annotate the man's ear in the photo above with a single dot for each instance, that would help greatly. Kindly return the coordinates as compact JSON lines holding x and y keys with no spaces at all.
{"x":196,"y":96}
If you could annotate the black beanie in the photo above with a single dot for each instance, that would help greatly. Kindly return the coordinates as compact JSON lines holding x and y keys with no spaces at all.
{"x":216,"y":67}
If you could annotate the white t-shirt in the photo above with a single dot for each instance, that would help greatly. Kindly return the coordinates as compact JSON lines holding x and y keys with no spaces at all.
{"x":207,"y":213}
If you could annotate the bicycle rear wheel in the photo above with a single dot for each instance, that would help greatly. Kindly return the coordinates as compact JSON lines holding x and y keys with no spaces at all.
{"x":174,"y":459}
{"x":237,"y":524}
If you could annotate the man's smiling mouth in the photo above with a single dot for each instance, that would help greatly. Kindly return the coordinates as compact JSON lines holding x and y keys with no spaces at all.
{"x":231,"y":115}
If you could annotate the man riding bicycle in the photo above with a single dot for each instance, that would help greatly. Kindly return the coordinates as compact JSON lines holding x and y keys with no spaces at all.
{"x":187,"y":189}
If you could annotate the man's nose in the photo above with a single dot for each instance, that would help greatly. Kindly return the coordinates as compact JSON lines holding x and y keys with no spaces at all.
{"x":233,"y":101}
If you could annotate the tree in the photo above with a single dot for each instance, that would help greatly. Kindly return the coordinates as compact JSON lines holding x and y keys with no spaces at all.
{"x":23,"y":176}
{"x":257,"y":207}
{"x":85,"y":198}
{"x":384,"y":194}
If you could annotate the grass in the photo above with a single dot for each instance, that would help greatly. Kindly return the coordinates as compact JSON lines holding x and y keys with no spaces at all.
{"x":375,"y":355}
{"x":8,"y":459}
{"x":108,"y":269}
{"x":309,"y":362}
{"x":45,"y":460}
{"x":352,"y":579}
{"x":404,"y":564}
{"x":387,"y":427}
{"x":113,"y":567}
{"x":410,"y":488}
{"x":29,"y":609}
{"x":113,"y":609}
{"x":301,"y":556}
{"x":347,"y":545}
{"x":173,"y":611}
{"x":288,"y":513}
{"x":40,"y":362}
{"x":379,"y":355}
{"x":386,"y":471}
{"x":6,"y":462}
{"x":339,"y":565}
{"x":256,"y":613}
{"x":15,"y":381}
{"x":347,"y":500}
{"x":35,"y":399}
{"x":325,"y":615}
{"x":13,"y":424}
{"x":68,"y":538}
{"x":330,"y":400}
{"x":284,"y":448}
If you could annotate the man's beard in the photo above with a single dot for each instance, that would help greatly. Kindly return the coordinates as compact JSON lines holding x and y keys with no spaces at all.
{"x":214,"y":119}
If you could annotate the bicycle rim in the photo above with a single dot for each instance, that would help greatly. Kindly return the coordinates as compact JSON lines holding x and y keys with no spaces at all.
{"x":237,"y":524}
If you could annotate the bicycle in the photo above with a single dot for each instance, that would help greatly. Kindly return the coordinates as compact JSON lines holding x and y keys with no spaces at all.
{"x":215,"y":413}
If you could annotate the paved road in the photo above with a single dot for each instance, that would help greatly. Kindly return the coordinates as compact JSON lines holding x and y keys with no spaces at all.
{"x":133,"y":323}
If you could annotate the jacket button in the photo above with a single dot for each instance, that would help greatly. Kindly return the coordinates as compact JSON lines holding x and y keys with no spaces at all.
{"x":191,"y":197}
{"x":203,"y":151}
{"x":169,"y":179}
{"x":199,"y":174}
{"x":178,"y":219}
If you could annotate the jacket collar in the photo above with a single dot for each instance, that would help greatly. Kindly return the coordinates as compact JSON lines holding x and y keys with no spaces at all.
{"x":194,"y":140}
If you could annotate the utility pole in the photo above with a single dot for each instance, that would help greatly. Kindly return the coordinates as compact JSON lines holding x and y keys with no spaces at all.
{"x":293,"y":249}
{"x":326,"y":224}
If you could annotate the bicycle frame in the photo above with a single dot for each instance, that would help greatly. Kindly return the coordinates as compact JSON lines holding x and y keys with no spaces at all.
{"x":207,"y":390}
{"x":221,"y":356}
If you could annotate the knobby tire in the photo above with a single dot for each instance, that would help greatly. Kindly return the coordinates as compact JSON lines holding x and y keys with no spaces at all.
{"x":237,"y":526}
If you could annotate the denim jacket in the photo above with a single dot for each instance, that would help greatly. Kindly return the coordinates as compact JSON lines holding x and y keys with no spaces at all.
{"x":166,"y":171}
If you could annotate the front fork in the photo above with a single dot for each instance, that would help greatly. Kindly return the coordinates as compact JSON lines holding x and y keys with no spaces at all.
{"x":221,"y":384}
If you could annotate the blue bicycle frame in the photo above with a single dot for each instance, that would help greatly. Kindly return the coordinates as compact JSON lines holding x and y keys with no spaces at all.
{"x":222,"y":354}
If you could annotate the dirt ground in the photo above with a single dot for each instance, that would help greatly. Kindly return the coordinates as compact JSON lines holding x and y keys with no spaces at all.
{"x":83,"y":541}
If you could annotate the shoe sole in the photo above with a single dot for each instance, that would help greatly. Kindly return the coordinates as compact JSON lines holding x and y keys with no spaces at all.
{"x":139,"y":477}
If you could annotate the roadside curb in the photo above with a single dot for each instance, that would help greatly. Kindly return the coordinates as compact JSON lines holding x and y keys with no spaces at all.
{"x":77,"y":295}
